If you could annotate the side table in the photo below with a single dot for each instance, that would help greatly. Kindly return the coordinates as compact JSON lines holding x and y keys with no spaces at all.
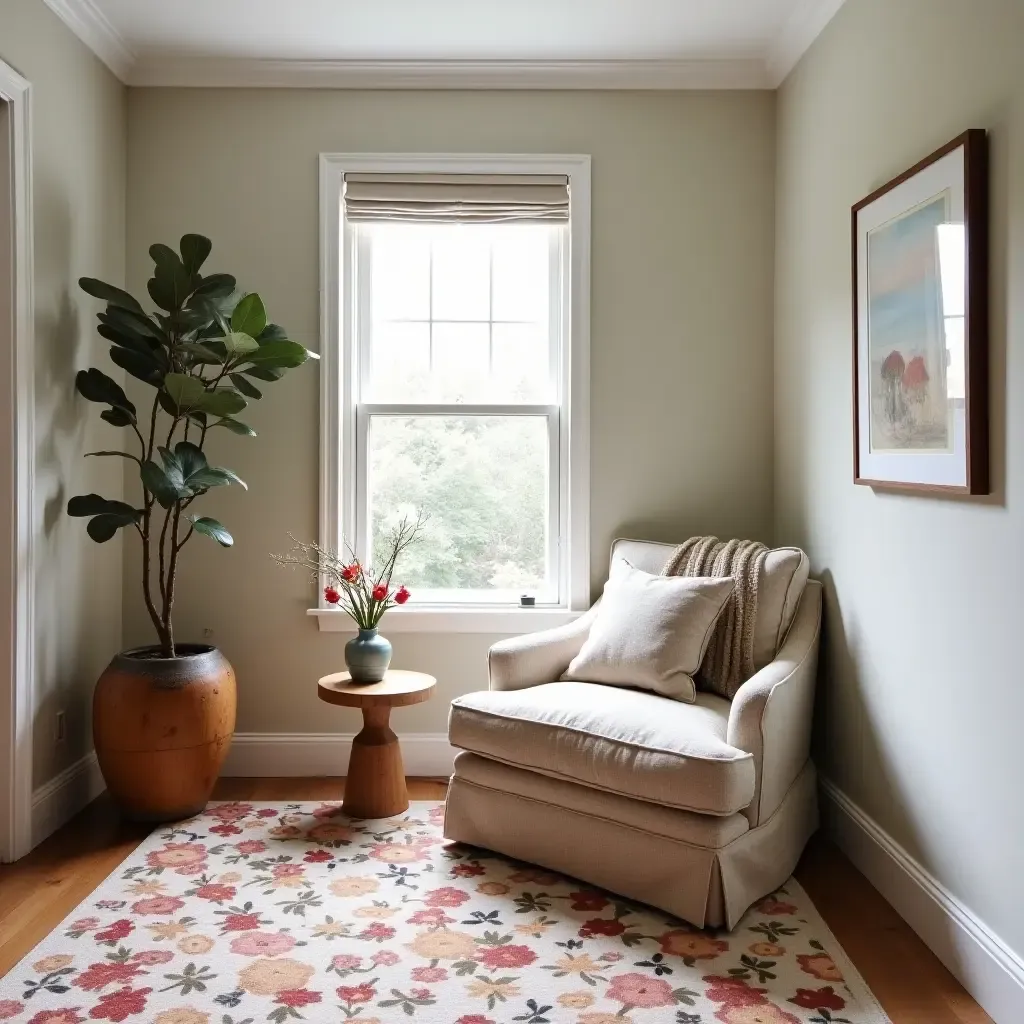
{"x":375,"y":786}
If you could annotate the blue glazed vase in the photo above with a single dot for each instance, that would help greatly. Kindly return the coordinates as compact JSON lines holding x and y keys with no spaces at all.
{"x":367,"y":656}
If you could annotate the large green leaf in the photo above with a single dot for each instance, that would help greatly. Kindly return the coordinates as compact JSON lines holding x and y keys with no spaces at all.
{"x":184,"y":391}
{"x":194,"y":250}
{"x":141,"y":365}
{"x":250,"y":316}
{"x":132,"y":342}
{"x":235,"y":426}
{"x":211,"y":528}
{"x":96,"y":386}
{"x":238,"y":343}
{"x":215,"y":476}
{"x":201,"y":353}
{"x":268,"y":373}
{"x":108,"y":293}
{"x":221,"y":402}
{"x":156,"y":480}
{"x":95,"y":504}
{"x":272,"y":332}
{"x":280,"y":354}
{"x":216,"y":286}
{"x":103,"y":527}
{"x":171,"y":284}
{"x":127,"y":322}
{"x":245,"y":386}
{"x":184,"y":473}
{"x":117,"y":417}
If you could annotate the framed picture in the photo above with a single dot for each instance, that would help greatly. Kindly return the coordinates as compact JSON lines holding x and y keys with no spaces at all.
{"x":920,"y":325}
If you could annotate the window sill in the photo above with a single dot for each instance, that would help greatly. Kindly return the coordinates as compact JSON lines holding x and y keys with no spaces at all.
{"x":503,"y":621}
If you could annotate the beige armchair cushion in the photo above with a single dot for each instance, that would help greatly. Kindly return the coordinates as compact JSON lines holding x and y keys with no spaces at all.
{"x":650,"y":632}
{"x":779,"y":590}
{"x":626,"y":742}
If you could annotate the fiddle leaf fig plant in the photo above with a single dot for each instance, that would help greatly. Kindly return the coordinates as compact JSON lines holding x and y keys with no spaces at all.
{"x":201,"y":352}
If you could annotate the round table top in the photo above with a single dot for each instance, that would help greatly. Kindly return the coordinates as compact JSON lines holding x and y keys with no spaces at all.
{"x":397,"y":689}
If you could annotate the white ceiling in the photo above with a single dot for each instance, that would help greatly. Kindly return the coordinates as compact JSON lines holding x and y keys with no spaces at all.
{"x":507,"y":43}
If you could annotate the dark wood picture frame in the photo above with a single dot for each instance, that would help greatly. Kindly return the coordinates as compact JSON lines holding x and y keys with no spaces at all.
{"x":974,"y":143}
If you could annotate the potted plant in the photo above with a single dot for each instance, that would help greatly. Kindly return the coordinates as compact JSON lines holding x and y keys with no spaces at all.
{"x":364,"y":594}
{"x":163,"y":715}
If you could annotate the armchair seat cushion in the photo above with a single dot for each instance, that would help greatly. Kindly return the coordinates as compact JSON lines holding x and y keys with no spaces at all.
{"x":627,"y":742}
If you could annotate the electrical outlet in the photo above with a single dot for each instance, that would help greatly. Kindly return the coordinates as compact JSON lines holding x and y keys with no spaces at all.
{"x":61,"y":728}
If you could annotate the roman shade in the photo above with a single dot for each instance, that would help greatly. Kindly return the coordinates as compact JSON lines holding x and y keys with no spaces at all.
{"x":457,"y":198}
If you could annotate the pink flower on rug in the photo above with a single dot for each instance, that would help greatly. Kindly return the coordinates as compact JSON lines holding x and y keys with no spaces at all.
{"x":226,"y":830}
{"x":496,"y":957}
{"x":84,"y":924}
{"x":431,"y":975}
{"x":233,"y":811}
{"x":760,"y":1013}
{"x":435,"y":916}
{"x":262,"y":944}
{"x":436,"y":814}
{"x":588,"y":900}
{"x":734,"y":991}
{"x":10,"y":1008}
{"x":68,"y":1016}
{"x":118,"y":930}
{"x":297,"y":997}
{"x":772,"y":906}
{"x":818,"y":999}
{"x":215,"y":892}
{"x":446,"y":897}
{"x":385,"y":958}
{"x":183,"y":858}
{"x":158,"y":905}
{"x":318,"y":856}
{"x":820,"y":966}
{"x":474,"y":1018}
{"x":153,"y":957}
{"x":288,"y":870}
{"x":116,"y":1006}
{"x":356,"y":993}
{"x":601,"y":926}
{"x":248,"y":846}
{"x":692,"y":944}
{"x":640,"y":990}
{"x":467,"y":870}
{"x":97,"y":976}
{"x":346,"y":962}
{"x":330,"y":832}
{"x":377,"y":932}
{"x":397,"y":853}
{"x":240,"y":922}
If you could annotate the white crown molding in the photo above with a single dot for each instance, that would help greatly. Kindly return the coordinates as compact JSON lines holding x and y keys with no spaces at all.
{"x":728,"y":73}
{"x":93,"y":27}
{"x":983,"y":962}
{"x":801,"y":28}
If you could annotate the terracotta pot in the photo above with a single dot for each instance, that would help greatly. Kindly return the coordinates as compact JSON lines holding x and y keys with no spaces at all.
{"x":162,"y":728}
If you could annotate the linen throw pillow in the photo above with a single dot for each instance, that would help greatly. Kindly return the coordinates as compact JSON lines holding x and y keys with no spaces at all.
{"x":651,"y":632}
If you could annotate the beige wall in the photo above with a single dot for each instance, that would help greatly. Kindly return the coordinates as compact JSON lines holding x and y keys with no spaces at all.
{"x":79,"y":111}
{"x":922,"y":699}
{"x":681,"y":338}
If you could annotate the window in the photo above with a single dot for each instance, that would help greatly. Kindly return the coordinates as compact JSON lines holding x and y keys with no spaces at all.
{"x":455,"y":386}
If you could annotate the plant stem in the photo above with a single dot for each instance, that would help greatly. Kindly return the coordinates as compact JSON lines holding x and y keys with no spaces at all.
{"x":171,"y":571}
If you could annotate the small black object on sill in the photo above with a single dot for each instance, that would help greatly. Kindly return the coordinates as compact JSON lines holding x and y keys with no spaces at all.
{"x":527,"y":601}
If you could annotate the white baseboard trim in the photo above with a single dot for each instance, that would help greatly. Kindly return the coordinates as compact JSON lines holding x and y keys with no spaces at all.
{"x":56,"y":802}
{"x":985,"y":965}
{"x":262,"y":754}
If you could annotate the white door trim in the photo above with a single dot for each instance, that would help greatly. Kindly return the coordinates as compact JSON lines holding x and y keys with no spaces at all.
{"x":17,"y":465}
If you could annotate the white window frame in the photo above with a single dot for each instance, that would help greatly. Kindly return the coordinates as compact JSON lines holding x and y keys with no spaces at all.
{"x":339,"y":423}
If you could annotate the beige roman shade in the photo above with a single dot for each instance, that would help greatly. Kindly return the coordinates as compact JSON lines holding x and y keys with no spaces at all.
{"x":467,"y":198}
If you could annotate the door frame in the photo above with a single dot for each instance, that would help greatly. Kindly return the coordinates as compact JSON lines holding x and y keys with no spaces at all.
{"x":17,"y":472}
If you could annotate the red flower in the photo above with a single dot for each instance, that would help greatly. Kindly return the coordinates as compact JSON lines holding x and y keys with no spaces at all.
{"x":467,"y":870}
{"x":118,"y":930}
{"x":640,"y":990}
{"x":818,"y":999}
{"x":230,"y":811}
{"x":318,"y":856}
{"x":402,"y":595}
{"x":893,"y":366}
{"x":916,"y":374}
{"x":377,"y":931}
{"x":351,"y":572}
{"x":158,"y":905}
{"x":356,"y":993}
{"x":250,"y":846}
{"x":120,"y":1004}
{"x":346,"y":962}
{"x":10,"y":1008}
{"x":215,"y":892}
{"x":430,"y":975}
{"x":601,"y":926}
{"x":420,"y":993}
{"x":153,"y":957}
{"x":435,"y":916}
{"x":96,"y":976}
{"x":497,"y":957}
{"x":380,"y":592}
{"x":68,"y":1016}
{"x":226,"y":830}
{"x":267,"y":812}
{"x":734,"y":992}
{"x":241,"y":922}
{"x":588,"y":901}
{"x":297,"y":997}
{"x":385,"y":958}
{"x":446,"y":897}
{"x":770,"y":905}
{"x":331,"y":596}
{"x":474,"y":1018}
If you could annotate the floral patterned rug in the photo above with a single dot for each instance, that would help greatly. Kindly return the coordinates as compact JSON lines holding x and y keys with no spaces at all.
{"x":279,"y":912}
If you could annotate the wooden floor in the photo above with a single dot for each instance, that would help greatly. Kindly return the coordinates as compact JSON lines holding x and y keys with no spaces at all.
{"x":37,"y":892}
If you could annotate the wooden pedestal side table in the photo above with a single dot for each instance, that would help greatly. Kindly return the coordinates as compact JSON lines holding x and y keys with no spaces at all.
{"x":375,"y":787}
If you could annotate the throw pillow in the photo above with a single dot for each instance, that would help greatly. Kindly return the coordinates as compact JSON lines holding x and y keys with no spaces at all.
{"x":651,"y":632}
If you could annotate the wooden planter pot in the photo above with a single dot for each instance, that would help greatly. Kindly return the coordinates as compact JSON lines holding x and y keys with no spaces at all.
{"x":162,"y":728}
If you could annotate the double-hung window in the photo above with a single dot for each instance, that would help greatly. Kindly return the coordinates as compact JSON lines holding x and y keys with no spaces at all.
{"x":455,"y":382}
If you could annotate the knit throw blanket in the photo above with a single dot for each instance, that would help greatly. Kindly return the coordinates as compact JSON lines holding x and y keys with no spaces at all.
{"x":729,"y":661}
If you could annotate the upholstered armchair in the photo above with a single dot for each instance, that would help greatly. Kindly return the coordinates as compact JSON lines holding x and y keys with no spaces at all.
{"x":699,"y":809}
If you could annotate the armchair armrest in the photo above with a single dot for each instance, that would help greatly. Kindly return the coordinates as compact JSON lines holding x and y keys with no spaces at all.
{"x":772,"y":711}
{"x":536,"y":658}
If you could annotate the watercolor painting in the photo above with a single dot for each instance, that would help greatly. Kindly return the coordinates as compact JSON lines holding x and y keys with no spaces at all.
{"x":907,"y":335}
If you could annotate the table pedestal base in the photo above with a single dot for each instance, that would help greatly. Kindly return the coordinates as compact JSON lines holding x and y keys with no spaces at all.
{"x":375,"y":787}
